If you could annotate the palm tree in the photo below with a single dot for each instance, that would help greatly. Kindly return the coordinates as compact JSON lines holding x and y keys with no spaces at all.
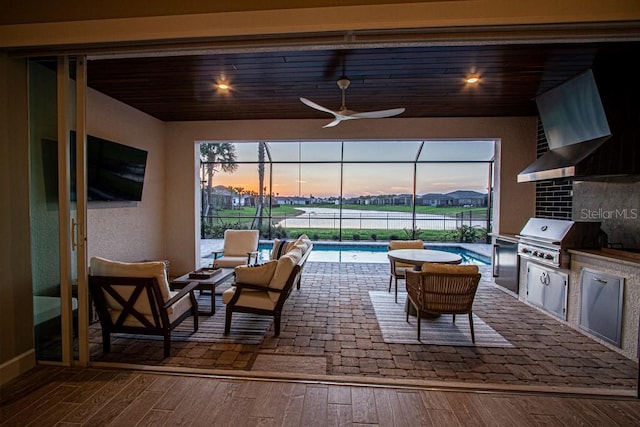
{"x":215,"y":157}
{"x":261,"y":187}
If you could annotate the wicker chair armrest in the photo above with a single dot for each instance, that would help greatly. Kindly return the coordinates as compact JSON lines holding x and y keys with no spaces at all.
{"x":184,"y":291}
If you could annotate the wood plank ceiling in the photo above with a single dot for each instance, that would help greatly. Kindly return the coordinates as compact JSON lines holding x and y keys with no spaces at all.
{"x":427,"y":81}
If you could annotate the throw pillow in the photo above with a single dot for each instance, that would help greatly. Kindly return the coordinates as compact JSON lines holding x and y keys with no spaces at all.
{"x":280,"y":247}
{"x":259,"y":274}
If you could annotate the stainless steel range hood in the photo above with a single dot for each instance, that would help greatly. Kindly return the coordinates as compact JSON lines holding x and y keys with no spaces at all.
{"x":568,"y":161}
{"x":581,"y":142}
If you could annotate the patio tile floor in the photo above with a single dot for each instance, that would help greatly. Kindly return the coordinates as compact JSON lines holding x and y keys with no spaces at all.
{"x":332,"y":316}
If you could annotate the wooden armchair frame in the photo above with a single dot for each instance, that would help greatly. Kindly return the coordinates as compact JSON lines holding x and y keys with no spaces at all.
{"x":157,"y":323}
{"x":294,"y":279}
{"x":276,"y":312}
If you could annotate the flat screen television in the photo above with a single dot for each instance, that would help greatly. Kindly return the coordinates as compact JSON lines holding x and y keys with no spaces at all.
{"x":115,"y":172}
{"x":573,"y":112}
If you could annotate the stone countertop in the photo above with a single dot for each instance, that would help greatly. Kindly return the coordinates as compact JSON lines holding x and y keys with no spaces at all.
{"x":615,"y":255}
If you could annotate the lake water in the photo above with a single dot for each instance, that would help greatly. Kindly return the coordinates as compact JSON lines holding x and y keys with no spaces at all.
{"x":314,"y":217}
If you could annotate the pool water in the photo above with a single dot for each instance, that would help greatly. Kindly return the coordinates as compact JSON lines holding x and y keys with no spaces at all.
{"x":370,"y":253}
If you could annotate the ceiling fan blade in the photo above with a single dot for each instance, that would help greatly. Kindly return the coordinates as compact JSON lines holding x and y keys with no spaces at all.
{"x":333,"y":123}
{"x":378,"y":114}
{"x":316,"y":106}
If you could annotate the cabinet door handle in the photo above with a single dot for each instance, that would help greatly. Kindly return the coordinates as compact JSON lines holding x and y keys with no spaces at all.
{"x":545,"y":279}
{"x":496,"y":266}
{"x":599,"y":280}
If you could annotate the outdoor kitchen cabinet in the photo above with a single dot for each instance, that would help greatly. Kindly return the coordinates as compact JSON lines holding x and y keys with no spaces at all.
{"x":601,"y":298}
{"x":547,"y":289}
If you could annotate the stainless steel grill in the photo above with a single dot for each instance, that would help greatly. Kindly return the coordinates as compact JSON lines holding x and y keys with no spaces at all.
{"x":547,"y":241}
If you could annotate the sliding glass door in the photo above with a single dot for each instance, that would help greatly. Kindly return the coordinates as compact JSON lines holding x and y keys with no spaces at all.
{"x":56,"y":200}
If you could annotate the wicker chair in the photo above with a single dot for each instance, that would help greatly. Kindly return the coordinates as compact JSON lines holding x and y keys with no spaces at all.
{"x":398,"y":268}
{"x":443,"y":289}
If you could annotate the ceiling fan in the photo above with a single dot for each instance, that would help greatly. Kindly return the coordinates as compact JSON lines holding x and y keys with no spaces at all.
{"x":345,"y":114}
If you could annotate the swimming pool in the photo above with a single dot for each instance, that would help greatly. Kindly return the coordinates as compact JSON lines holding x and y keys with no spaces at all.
{"x":328,"y":252}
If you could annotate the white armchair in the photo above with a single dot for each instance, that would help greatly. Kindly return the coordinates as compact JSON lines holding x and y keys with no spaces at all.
{"x":135,"y":298}
{"x":240,"y":248}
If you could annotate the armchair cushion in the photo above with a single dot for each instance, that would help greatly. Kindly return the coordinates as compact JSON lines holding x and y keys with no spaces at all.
{"x":250,"y":298}
{"x":260,"y":274}
{"x":406,"y":244}
{"x":104,"y":267}
{"x":240,"y":242}
{"x":229,"y":261}
{"x":434,"y":268}
{"x":285,"y":266}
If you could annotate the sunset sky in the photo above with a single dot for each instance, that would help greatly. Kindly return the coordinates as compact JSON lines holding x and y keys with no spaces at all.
{"x":323,"y":179}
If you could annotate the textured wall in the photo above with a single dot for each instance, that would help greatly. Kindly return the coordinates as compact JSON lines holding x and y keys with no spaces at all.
{"x":16,"y":313}
{"x":128,"y":231}
{"x":615,"y":204}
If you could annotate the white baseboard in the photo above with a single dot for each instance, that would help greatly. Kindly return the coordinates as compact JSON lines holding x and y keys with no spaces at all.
{"x":17,"y":366}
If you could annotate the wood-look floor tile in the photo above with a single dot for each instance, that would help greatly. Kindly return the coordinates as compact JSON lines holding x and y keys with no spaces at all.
{"x":121,"y":400}
{"x":339,"y":394}
{"x":62,"y":397}
{"x":363,"y":405}
{"x":412,"y":407}
{"x":388,"y":407}
{"x":314,"y":411}
{"x":105,"y":391}
{"x":339,"y":415}
{"x":293,"y":399}
{"x":195,"y":398}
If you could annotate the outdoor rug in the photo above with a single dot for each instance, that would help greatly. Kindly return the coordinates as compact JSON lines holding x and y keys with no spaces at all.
{"x":441,"y":331}
{"x":246,"y":328}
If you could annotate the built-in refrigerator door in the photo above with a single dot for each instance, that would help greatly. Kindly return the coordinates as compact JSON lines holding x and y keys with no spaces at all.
{"x":505,"y":264}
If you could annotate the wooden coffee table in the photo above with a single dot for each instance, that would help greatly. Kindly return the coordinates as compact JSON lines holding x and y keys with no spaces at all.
{"x":204,"y":285}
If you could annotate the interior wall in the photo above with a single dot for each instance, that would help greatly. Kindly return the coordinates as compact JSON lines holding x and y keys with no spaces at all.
{"x":516,"y":148}
{"x":16,"y":312}
{"x":128,"y":231}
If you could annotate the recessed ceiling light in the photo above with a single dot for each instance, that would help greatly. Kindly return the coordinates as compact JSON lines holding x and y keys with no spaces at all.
{"x":472,"y":79}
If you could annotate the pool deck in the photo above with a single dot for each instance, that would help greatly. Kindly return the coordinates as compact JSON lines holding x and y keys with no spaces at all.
{"x":330,"y":332}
